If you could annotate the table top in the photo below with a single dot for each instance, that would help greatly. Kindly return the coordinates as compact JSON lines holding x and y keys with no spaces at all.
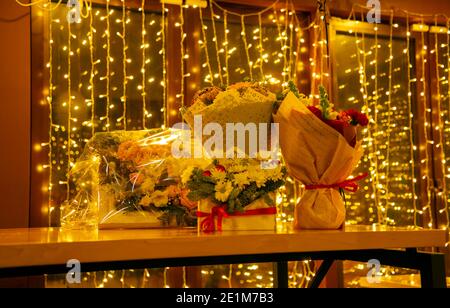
{"x":46,"y":246}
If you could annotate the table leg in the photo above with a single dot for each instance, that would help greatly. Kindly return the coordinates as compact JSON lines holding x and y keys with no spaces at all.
{"x":432,"y":270}
{"x":281,"y":273}
{"x":321,"y":273}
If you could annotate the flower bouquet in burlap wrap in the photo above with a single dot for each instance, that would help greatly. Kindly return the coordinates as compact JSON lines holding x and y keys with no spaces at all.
{"x":320,"y":150}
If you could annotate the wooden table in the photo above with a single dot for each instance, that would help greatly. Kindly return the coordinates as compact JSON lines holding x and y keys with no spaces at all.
{"x":37,"y":251}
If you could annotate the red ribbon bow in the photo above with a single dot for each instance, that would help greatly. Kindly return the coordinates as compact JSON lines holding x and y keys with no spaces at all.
{"x":208,"y":224}
{"x":350,"y":185}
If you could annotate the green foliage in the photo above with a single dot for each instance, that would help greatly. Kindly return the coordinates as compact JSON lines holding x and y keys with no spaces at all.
{"x":324,"y":102}
{"x":293,"y":88}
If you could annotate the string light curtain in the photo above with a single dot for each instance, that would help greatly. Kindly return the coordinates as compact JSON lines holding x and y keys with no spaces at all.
{"x":100,"y":73}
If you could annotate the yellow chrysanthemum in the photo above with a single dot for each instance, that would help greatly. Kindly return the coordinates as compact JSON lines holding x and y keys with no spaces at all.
{"x":223,"y":190}
{"x":148,"y":185}
{"x":186,"y":175}
{"x":218,"y":175}
{"x":258,"y":176}
{"x":241,"y":179}
{"x":159,"y":198}
{"x":145,"y":201}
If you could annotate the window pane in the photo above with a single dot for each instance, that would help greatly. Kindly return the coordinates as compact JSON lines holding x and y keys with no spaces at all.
{"x":386,"y":195}
{"x":84,"y":110}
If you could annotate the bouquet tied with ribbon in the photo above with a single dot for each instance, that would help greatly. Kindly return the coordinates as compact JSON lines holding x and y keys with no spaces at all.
{"x":234,"y":194}
{"x":320,"y":149}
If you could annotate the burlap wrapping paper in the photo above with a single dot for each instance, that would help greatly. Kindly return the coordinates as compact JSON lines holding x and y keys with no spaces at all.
{"x":315,"y":153}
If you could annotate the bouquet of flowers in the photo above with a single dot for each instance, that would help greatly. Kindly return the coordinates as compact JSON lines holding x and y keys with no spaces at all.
{"x":238,"y":192}
{"x":320,"y":149}
{"x":243,"y":102}
{"x":132,"y":180}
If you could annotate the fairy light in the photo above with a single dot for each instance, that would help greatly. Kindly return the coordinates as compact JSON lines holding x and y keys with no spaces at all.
{"x":124,"y":65}
{"x":291,"y":42}
{"x":281,"y":39}
{"x":144,"y":61}
{"x":165,"y":278}
{"x":446,"y":209}
{"x":313,"y":60}
{"x":69,"y":108}
{"x":163,"y":53}
{"x":247,"y":53}
{"x":205,"y":47}
{"x":380,"y":137}
{"x":225,"y":43}
{"x":50,"y":116}
{"x":183,"y":56}
{"x":108,"y":64}
{"x":216,"y":43}
{"x":389,"y":111}
{"x":440,"y":127}
{"x":260,"y":47}
{"x":92,"y":73}
{"x":410,"y":122}
{"x":372,"y":143}
{"x":426,"y":176}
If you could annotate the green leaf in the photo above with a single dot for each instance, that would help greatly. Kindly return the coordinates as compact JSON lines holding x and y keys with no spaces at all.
{"x":324,"y":102}
{"x":293,"y":88}
{"x":269,"y":201}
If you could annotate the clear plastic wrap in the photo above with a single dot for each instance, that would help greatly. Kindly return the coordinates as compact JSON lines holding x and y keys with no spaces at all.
{"x":129,"y":179}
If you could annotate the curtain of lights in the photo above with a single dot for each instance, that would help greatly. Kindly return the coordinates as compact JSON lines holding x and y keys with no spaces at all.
{"x":109,"y":72}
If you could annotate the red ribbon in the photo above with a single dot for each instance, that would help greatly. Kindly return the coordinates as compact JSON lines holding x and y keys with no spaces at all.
{"x":208,"y":224}
{"x":350,"y":185}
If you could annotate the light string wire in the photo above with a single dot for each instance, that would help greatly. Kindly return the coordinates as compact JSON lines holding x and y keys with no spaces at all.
{"x":124,"y":64}
{"x":440,"y":128}
{"x":427,"y":178}
{"x":291,"y":41}
{"x":144,"y":61}
{"x":227,"y":56}
{"x":185,"y":278}
{"x":260,"y":47}
{"x":272,"y":6}
{"x":108,"y":64}
{"x":284,"y":39}
{"x":410,"y":122}
{"x":92,"y":73}
{"x":370,"y":137}
{"x":230,"y":276}
{"x":446,"y":209}
{"x":69,"y":108}
{"x":46,"y":4}
{"x":281,"y":38}
{"x":376,"y":133}
{"x":204,"y":45}
{"x":50,"y":116}
{"x":323,"y":53}
{"x":389,"y":103}
{"x":163,"y":52}
{"x":183,"y":57}
{"x":216,"y":43}
{"x":244,"y":40}
{"x":313,"y":60}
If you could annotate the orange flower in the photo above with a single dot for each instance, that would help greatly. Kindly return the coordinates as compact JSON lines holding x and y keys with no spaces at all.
{"x":185,"y":201}
{"x":240,"y":85}
{"x":173,"y":191}
{"x":136,"y":178}
{"x":127,"y":150}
